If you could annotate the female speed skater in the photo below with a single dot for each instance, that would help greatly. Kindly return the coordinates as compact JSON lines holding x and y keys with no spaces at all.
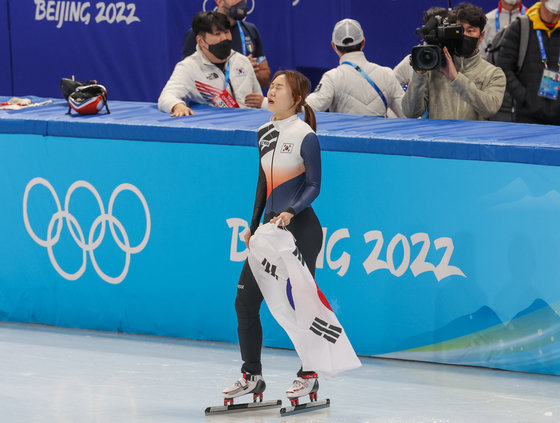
{"x":289,"y":180}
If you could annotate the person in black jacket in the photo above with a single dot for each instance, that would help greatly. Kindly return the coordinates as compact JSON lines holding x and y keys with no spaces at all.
{"x":524,"y":85}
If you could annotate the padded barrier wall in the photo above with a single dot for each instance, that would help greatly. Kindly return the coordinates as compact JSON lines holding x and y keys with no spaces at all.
{"x":441,"y":238}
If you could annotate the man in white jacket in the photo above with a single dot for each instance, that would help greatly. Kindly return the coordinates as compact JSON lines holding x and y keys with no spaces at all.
{"x":506,"y":12}
{"x":356,"y":86}
{"x":215,"y":74}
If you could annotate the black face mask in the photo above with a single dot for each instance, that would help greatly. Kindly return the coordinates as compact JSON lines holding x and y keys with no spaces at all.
{"x":221,"y":50}
{"x":238,"y":12}
{"x":468,"y":46}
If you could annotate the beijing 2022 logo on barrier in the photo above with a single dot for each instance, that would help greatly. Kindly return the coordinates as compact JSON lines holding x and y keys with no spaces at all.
{"x":71,"y":222}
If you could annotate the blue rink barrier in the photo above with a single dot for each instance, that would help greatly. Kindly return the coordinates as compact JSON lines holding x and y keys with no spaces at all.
{"x":441,"y":237}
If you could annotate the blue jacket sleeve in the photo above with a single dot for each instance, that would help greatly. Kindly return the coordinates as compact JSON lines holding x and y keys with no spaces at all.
{"x":311,"y":154}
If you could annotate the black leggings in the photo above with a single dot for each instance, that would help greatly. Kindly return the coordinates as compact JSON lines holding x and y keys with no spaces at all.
{"x":309,"y":238}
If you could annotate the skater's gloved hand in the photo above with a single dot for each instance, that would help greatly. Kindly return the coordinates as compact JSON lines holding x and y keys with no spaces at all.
{"x":247,"y":237}
{"x":284,"y":216}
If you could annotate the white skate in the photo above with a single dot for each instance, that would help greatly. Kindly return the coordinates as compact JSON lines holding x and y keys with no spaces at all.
{"x":303,"y":385}
{"x":247,"y":384}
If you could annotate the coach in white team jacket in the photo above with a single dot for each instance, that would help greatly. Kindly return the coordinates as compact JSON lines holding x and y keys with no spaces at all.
{"x":356,"y":85}
{"x":215,"y":74}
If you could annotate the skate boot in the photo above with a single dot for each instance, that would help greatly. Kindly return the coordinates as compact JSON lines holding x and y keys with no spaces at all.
{"x":247,"y":384}
{"x":303,"y":385}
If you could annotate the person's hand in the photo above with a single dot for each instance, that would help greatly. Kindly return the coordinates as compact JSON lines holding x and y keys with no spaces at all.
{"x":254,"y":100}
{"x":256,"y":65}
{"x":449,"y":69}
{"x":181,"y":110}
{"x":247,"y":237}
{"x":285,"y":217}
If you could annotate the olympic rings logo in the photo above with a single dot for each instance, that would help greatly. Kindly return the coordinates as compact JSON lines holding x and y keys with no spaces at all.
{"x":91,"y":245}
{"x":216,"y":7}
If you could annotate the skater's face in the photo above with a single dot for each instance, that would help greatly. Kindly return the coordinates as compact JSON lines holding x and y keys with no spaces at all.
{"x":280,"y":97}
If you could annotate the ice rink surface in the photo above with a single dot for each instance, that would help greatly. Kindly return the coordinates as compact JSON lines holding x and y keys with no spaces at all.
{"x":76,"y":376}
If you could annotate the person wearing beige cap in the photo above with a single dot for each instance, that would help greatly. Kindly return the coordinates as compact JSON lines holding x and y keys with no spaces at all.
{"x":356,"y":85}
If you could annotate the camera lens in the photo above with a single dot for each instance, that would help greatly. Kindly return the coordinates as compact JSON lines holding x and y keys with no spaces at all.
{"x":426,"y":57}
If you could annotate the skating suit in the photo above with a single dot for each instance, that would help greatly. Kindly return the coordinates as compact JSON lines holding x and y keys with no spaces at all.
{"x":289,"y":180}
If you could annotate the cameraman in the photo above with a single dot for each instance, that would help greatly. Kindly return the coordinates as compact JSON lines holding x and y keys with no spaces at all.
{"x":403,"y":71}
{"x":467,"y":87}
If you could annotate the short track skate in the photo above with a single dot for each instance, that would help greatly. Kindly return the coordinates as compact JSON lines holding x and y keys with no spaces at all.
{"x":300,"y":384}
{"x":312,"y":405}
{"x":257,"y":405}
{"x":248,"y":384}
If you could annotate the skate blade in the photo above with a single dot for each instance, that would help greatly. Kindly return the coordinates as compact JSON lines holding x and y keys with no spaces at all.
{"x":237,"y":408}
{"x":302,"y":408}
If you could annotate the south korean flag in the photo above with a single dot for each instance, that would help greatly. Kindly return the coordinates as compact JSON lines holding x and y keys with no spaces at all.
{"x":297,"y":304}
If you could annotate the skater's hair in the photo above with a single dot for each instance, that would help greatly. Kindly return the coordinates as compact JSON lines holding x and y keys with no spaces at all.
{"x":300,"y":86}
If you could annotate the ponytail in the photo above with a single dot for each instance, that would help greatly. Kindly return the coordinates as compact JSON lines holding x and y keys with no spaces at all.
{"x":310,"y":116}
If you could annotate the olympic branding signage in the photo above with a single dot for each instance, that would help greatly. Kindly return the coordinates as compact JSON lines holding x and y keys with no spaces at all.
{"x":77,"y":233}
{"x":417,"y":264}
{"x":61,"y":11}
